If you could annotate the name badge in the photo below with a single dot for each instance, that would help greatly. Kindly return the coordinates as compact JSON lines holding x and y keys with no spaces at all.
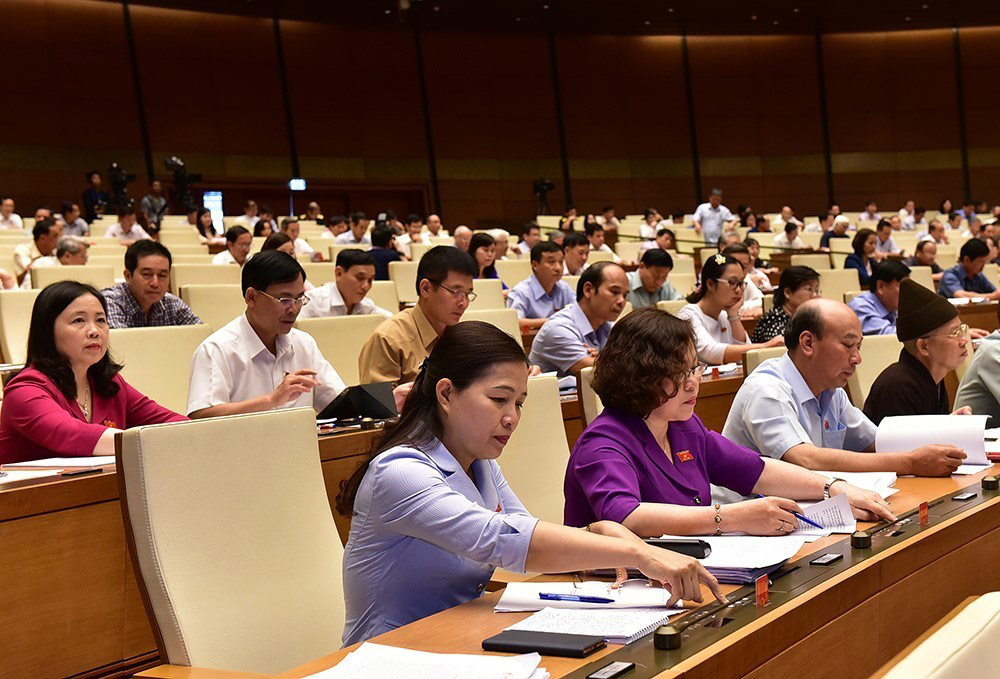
{"x":109,"y":423}
{"x":499,"y":508}
{"x":685,"y":456}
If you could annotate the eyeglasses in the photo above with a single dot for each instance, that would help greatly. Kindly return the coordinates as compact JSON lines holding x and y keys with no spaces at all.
{"x":957,"y":334}
{"x":695,"y":373}
{"x":288,"y":302}
{"x":460,"y":294}
{"x":734,"y":283}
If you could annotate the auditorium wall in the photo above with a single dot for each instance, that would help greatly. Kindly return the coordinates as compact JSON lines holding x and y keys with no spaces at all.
{"x":212,"y":93}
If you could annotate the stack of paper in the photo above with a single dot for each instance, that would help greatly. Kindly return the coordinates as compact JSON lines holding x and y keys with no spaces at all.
{"x":908,"y":432}
{"x":375,"y":661}
{"x":741,"y":559}
{"x":523,"y":596}
{"x":834,"y":515}
{"x":76,"y":462}
{"x":621,"y":626}
{"x":12,"y":476}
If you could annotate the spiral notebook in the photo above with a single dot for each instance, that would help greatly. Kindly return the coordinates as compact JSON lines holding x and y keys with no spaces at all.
{"x":617,"y":626}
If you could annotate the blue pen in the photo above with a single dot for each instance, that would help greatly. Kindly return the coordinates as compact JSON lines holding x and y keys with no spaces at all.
{"x":575,"y":597}
{"x":800,"y":517}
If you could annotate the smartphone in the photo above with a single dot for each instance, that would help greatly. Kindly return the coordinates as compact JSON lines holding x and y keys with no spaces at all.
{"x":693,"y":547}
{"x":826,"y":560}
{"x":615,"y":669}
{"x":963,"y":497}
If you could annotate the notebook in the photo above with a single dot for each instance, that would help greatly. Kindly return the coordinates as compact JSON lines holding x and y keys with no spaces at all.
{"x":523,"y":596}
{"x":741,"y":559}
{"x":617,"y":626}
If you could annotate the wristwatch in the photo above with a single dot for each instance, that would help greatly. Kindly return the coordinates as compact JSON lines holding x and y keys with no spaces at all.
{"x":829,"y":484}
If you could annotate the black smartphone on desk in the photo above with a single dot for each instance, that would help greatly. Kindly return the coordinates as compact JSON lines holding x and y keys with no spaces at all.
{"x":693,"y":547}
{"x":546,"y":643}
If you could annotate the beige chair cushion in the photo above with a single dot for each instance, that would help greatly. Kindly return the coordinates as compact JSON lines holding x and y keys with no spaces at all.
{"x":214,"y":304}
{"x":683,"y":264}
{"x":158,"y":360}
{"x":818,"y":262}
{"x":878,"y":352}
{"x":203,"y":274}
{"x":505,"y":319}
{"x":513,"y":271}
{"x":99,"y":276}
{"x":833,"y":283}
{"x":383,"y":293}
{"x":340,"y":339}
{"x":489,"y":294}
{"x":404,"y":275}
{"x":755,"y":357}
{"x":923,"y":275}
{"x":242,"y":563}
{"x":15,"y":318}
{"x":590,"y":402}
{"x":319,"y":273}
{"x":672,"y":306}
{"x":683,"y":283}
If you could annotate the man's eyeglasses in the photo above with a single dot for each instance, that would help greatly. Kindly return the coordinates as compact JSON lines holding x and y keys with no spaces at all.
{"x":957,"y":334}
{"x":460,"y":294}
{"x":288,"y":302}
{"x":734,"y":283}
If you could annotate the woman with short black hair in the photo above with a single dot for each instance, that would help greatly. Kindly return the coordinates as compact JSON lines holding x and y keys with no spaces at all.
{"x":798,"y":285}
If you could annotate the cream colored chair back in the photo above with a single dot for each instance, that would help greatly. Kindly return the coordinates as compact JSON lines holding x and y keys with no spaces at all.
{"x":626,"y":310}
{"x":811,"y":239}
{"x":848,"y":296}
{"x":628,"y":250}
{"x":383,"y":293}
{"x":158,"y":360}
{"x":923,"y":275}
{"x":335,"y":249}
{"x":188,"y":258}
{"x":878,"y":352}
{"x":682,"y":264}
{"x":683,"y":283}
{"x":534,"y":461}
{"x":767,"y":303}
{"x":992,"y":273}
{"x":672,"y":306}
{"x":116,"y":262}
{"x":513,"y":271}
{"x":404,"y":275}
{"x":15,"y":319}
{"x":203,"y":274}
{"x":599,"y":256}
{"x":174,"y":237}
{"x":818,"y":262}
{"x":340,"y":339}
{"x":590,"y":402}
{"x":755,"y":357}
{"x":241,"y":571}
{"x":505,"y":319}
{"x":963,"y":647}
{"x":842,"y":245}
{"x":489,"y":294}
{"x":99,"y":276}
{"x":947,"y":255}
{"x":418,"y":250}
{"x":705,"y":253}
{"x":319,"y":273}
{"x":967,"y":361}
{"x":833,"y":283}
{"x":214,"y":304}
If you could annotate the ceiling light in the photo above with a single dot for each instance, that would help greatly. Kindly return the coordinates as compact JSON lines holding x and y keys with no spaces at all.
{"x":753,"y":17}
{"x":796,"y":10}
{"x":670,"y":9}
{"x":647,"y":22}
{"x":907,"y":19}
{"x":775,"y":22}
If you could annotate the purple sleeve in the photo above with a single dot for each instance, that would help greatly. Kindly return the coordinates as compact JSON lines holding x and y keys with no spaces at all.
{"x":609,"y":481}
{"x":34,"y":414}
{"x":730,"y":465}
{"x":140,"y":409}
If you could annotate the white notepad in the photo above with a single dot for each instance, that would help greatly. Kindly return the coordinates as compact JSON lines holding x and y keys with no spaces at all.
{"x":376,"y":661}
{"x":523,"y":596}
{"x":11,"y":476}
{"x":617,"y":626}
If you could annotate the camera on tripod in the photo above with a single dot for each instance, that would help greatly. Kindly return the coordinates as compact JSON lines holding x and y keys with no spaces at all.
{"x":182,"y":183}
{"x":119,"y":179}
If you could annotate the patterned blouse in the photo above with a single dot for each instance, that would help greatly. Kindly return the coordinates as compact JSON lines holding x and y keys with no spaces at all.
{"x":770,"y":325}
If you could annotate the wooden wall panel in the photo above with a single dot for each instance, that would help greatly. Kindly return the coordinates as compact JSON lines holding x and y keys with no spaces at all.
{"x":980,"y":64}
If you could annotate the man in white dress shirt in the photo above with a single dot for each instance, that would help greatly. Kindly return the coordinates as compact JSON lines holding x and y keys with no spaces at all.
{"x":259,"y":361}
{"x":249,"y":216}
{"x":787,"y":216}
{"x":434,"y":227}
{"x":712,"y":217}
{"x":126,"y":229}
{"x":576,"y":250}
{"x":238,"y":241}
{"x":356,"y":231}
{"x":346,"y":296}
{"x":8,"y":218}
{"x":414,"y":227}
{"x":45,"y":236}
{"x":530,"y":237}
{"x":290,"y":227}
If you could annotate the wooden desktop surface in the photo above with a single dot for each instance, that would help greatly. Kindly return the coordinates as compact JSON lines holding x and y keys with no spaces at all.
{"x":845,"y":627}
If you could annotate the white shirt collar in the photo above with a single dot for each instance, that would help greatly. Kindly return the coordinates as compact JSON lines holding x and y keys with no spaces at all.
{"x":251,"y":345}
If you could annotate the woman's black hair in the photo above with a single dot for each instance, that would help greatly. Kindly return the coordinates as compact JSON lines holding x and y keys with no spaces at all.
{"x":464,"y":354}
{"x":481,"y":239}
{"x":860,"y":238}
{"x":258,"y":228}
{"x":710,"y":271}
{"x":197,"y":222}
{"x":275,"y":241}
{"x":42,"y":352}
{"x":793,"y":278}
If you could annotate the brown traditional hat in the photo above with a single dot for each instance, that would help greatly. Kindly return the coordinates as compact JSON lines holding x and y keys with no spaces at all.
{"x":920,"y":311}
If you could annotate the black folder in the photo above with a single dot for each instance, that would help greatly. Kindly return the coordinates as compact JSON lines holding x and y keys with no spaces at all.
{"x":546,"y":643}
{"x":365,"y":400}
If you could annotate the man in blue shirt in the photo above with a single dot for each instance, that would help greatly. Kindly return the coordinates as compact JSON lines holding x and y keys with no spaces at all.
{"x":535,"y":299}
{"x":569,"y":342}
{"x":710,"y":218}
{"x":966,"y":278}
{"x":648,"y":284}
{"x":877,"y":309}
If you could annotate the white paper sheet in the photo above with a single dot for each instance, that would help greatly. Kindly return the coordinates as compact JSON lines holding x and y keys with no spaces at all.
{"x":833,"y":514}
{"x":969,"y":469}
{"x":619,"y":626}
{"x":523,"y":596}
{"x":376,"y":661}
{"x":94,"y":461}
{"x":908,"y":432}
{"x":748,"y":551}
{"x":9,"y":475}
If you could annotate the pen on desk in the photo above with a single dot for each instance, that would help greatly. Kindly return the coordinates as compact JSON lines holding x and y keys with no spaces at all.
{"x":799,"y":516}
{"x":575,"y":597}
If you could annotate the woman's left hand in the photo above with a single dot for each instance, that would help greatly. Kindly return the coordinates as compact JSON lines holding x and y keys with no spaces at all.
{"x":400,"y":393}
{"x":865,"y":504}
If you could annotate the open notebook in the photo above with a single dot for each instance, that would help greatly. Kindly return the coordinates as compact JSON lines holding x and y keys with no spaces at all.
{"x":524,"y":596}
{"x":617,"y":626}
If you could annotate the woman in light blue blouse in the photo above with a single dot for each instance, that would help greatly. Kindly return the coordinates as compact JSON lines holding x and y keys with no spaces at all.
{"x":433,"y":515}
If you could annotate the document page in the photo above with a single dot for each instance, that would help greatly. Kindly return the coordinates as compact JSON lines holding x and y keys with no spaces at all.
{"x":524,"y":596}
{"x":616,"y":626}
{"x":376,"y":661}
{"x":907,"y":432}
{"x":833,"y":514}
{"x":11,"y":476}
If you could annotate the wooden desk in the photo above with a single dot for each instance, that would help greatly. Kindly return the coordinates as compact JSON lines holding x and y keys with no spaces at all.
{"x":980,"y":315}
{"x":843,"y":628}
{"x":715,"y":398}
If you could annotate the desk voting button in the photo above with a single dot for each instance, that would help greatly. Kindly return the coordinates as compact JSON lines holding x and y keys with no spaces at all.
{"x":367,"y":423}
{"x":991,"y":483}
{"x":667,"y":638}
{"x":861,"y":540}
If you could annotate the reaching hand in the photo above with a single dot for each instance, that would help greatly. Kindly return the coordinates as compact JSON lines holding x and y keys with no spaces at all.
{"x":294,"y":385}
{"x":935,"y":460}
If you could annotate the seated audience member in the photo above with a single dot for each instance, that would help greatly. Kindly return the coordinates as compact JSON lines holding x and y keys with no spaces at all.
{"x":557,"y":237}
{"x":356,"y":231}
{"x":8,"y":218}
{"x":384,"y":251}
{"x":935,"y":233}
{"x":434,"y":227}
{"x":414,"y":226}
{"x":714,"y":313}
{"x":664,"y":240}
{"x":980,"y":386}
{"x":647,"y":461}
{"x":648,"y":284}
{"x":934,"y":343}
{"x":576,"y":250}
{"x":729,"y":238}
{"x":75,"y":224}
{"x":70,"y":251}
{"x":462,"y":236}
{"x":258,"y":361}
{"x":530,"y":237}
{"x":290,"y":227}
{"x":652,"y":221}
{"x":824,"y":224}
{"x":798,"y":285}
{"x":208,"y":232}
{"x":975,"y":229}
{"x":482,"y":249}
{"x":794,"y":407}
{"x":70,"y":400}
{"x":42,"y":212}
{"x":839,"y":230}
{"x":966,"y":279}
{"x":607,"y":219}
{"x":877,"y":308}
{"x":926,"y":255}
{"x":789,"y":238}
{"x":568,"y":218}
{"x":916,"y":219}
{"x":397,"y":347}
{"x":433,"y":514}
{"x":760,"y":269}
{"x":575,"y":334}
{"x":281,"y":242}
{"x":871,"y":213}
{"x":238,"y":242}
{"x":752,"y":296}
{"x":45,"y":236}
{"x":502,"y":238}
{"x":595,"y":234}
{"x":335,"y":226}
{"x":265,"y":214}
{"x":535,"y":299}
{"x":345,"y":296}
{"x":249,"y":217}
{"x":263,"y":229}
{"x":144,"y":300}
{"x":312,"y":213}
{"x":884,"y":244}
{"x":126,"y":229}
{"x":862,"y":260}
{"x":954,"y":222}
